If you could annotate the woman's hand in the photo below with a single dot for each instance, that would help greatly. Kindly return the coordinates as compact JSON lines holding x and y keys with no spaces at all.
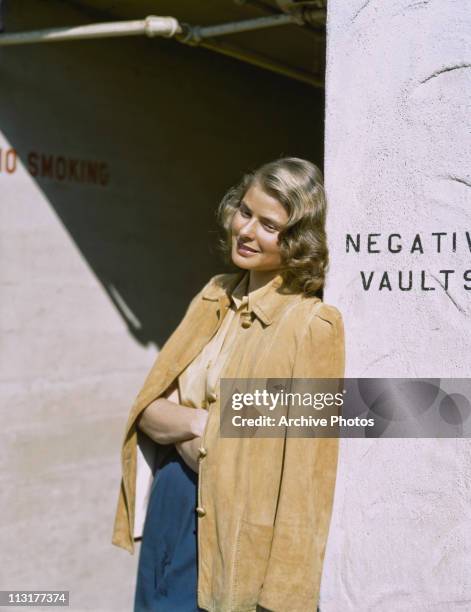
{"x":189,"y":452}
{"x":198,"y":421}
{"x":165,"y":421}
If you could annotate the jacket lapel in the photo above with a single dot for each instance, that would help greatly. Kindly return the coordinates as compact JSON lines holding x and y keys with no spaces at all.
{"x":207,"y":323}
{"x":195,"y":331}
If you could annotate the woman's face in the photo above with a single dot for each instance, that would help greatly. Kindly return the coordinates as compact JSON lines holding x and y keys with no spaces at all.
{"x":255,"y":228}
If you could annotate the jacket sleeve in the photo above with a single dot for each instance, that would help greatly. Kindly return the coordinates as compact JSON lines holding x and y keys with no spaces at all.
{"x":154,"y":385}
{"x":293,"y":576}
{"x":147,"y":394}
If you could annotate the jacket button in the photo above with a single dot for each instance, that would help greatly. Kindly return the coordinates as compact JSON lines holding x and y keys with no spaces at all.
{"x":200,"y":511}
{"x":202,"y":451}
{"x":246,"y":319}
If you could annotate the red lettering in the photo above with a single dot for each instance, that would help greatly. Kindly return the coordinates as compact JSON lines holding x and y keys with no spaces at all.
{"x":83,"y":166}
{"x":8,"y":160}
{"x":33,"y":163}
{"x":47,"y":166}
{"x":72,"y":173}
{"x":91,"y":172}
{"x":11,"y":161}
{"x":104,"y":174}
{"x":60,"y":168}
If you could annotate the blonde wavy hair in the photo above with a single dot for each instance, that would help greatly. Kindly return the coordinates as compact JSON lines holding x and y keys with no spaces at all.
{"x":298,"y":185}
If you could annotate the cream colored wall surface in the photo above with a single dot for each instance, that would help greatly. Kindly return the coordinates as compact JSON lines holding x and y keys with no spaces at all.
{"x":398,"y":161}
{"x":123,"y":149}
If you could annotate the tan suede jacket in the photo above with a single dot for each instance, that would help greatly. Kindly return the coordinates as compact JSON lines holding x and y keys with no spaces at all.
{"x":264,"y":505}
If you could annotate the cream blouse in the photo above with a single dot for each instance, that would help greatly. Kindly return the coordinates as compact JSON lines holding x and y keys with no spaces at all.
{"x":199,"y":382}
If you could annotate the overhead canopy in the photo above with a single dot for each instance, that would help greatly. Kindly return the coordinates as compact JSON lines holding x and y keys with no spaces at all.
{"x":301,"y":48}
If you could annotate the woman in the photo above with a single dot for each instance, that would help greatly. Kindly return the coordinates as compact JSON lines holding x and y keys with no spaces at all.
{"x":259,"y":508}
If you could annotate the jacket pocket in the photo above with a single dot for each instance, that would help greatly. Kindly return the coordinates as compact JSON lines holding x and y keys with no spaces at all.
{"x":250,"y":564}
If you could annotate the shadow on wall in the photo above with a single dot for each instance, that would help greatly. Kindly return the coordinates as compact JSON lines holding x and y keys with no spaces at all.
{"x":134,"y":142}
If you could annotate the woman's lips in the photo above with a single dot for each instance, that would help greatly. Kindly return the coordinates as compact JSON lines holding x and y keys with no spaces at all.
{"x":243,"y":249}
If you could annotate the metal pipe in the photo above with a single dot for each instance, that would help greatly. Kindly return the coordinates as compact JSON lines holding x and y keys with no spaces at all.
{"x":169,"y":27}
{"x":150,"y":26}
{"x":304,"y":13}
{"x":198,"y":33}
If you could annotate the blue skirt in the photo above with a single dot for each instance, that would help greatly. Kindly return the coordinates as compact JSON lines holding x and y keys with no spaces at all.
{"x":167,"y":571}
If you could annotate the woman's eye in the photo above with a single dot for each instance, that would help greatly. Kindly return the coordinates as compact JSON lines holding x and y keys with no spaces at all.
{"x":270,"y":228}
{"x":244,"y":212}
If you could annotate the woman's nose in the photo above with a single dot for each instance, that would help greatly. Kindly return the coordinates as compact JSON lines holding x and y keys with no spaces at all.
{"x":248,"y":229}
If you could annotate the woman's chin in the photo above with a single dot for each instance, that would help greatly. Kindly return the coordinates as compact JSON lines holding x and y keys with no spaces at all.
{"x":244,"y":263}
{"x":241,"y":263}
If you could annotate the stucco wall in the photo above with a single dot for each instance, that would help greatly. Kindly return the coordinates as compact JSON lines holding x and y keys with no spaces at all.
{"x":398,"y":158}
{"x":97,"y":270}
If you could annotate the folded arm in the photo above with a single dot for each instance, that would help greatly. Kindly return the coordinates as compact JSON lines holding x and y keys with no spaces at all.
{"x":165,"y":421}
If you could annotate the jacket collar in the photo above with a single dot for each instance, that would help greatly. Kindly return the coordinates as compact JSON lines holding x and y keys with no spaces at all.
{"x":266,"y":302}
